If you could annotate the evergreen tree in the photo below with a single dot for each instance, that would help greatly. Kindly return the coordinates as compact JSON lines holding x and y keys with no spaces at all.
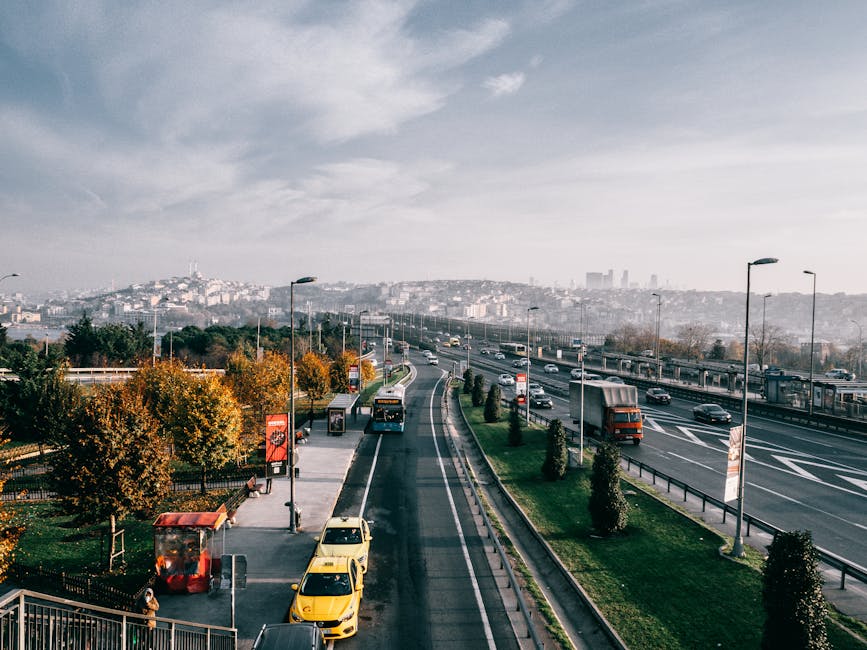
{"x":468,"y":381}
{"x":492,"y":404}
{"x":608,"y":507}
{"x":82,"y":342}
{"x":554,"y":466}
{"x":516,"y":435}
{"x":792,"y":594}
{"x":478,"y":390}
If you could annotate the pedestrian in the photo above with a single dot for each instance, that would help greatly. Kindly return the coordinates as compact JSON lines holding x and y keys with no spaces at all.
{"x":148,"y":605}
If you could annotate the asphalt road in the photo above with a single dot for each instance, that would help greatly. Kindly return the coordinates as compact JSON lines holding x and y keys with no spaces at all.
{"x":429,"y":584}
{"x":796,"y":477}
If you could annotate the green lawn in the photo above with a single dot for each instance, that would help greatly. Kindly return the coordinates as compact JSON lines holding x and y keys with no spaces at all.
{"x":662,"y":584}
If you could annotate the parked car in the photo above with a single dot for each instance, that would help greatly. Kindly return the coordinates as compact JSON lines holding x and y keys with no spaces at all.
{"x":289,"y":636}
{"x":541,"y":402}
{"x":615,"y":380}
{"x":345,"y":537}
{"x":506,"y":380}
{"x":499,"y":355}
{"x":550,"y":368}
{"x":711,"y":413}
{"x":657,"y":396}
{"x":329,"y":595}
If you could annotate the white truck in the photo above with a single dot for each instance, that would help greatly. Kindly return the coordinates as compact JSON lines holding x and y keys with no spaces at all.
{"x":610,"y":410}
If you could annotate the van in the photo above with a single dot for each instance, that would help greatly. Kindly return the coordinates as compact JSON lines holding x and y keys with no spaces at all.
{"x":289,"y":636}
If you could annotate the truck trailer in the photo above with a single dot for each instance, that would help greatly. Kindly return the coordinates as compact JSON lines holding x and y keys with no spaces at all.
{"x":610,"y":410}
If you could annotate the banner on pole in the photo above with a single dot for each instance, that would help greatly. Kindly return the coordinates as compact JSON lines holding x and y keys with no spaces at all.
{"x":733,"y":471}
{"x":277,"y":438}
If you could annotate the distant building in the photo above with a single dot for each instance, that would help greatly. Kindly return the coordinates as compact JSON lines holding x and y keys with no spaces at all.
{"x":624,"y":280}
{"x":594,"y":280}
{"x":654,"y":282}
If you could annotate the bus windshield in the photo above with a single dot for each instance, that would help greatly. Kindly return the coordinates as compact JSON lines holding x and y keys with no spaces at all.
{"x":387,"y":413}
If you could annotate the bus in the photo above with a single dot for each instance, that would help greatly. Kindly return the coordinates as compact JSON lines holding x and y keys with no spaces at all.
{"x":389,"y":409}
{"x":516,"y":349}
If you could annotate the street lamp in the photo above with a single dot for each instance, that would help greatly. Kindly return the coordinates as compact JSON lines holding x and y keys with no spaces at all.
{"x":658,"y":312}
{"x":860,"y":349}
{"x":738,"y":546}
{"x":467,"y":337}
{"x":812,"y":339}
{"x":8,"y":275}
{"x":293,"y":526}
{"x":527,"y":395}
{"x":360,"y":339}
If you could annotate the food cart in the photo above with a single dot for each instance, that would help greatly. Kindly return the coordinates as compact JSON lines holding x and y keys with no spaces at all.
{"x":187,"y":550}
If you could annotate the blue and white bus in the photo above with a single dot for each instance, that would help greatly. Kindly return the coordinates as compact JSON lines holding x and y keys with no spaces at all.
{"x":389,"y":409}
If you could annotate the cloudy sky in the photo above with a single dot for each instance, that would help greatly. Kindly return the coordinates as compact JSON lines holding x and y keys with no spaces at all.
{"x":374,"y":141}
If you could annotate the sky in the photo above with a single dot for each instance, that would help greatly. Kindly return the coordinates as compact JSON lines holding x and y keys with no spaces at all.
{"x":380,"y":141}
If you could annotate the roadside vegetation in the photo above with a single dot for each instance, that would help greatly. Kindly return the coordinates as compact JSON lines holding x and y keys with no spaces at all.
{"x":661,"y":581}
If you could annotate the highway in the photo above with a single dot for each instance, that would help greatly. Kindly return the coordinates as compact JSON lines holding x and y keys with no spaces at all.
{"x":429,"y":584}
{"x":796,"y":477}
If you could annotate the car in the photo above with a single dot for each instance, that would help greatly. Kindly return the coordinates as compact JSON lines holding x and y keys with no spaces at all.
{"x":506,"y":380}
{"x":289,"y":636}
{"x":647,"y":353}
{"x":345,"y":536}
{"x":550,"y":368}
{"x":535,"y":389}
{"x":614,"y":380}
{"x":711,"y":413}
{"x":329,"y":595}
{"x":484,"y":351}
{"x":427,"y":353}
{"x":575,"y":373}
{"x":541,"y":402}
{"x":433,"y":361}
{"x":523,"y":362}
{"x":657,"y":395}
{"x":499,"y":355}
{"x":467,"y":346}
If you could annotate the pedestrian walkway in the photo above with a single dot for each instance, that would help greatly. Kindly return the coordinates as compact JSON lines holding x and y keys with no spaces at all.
{"x":275,"y":557}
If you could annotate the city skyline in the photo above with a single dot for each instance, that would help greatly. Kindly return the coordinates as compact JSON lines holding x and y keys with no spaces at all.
{"x":380,"y":141}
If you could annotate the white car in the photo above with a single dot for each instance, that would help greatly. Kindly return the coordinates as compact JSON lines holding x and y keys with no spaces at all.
{"x":506,"y":380}
{"x":433,"y":361}
{"x":575,"y":373}
{"x":550,"y":368}
{"x":499,"y":355}
{"x":427,"y":353}
{"x":536,"y":389}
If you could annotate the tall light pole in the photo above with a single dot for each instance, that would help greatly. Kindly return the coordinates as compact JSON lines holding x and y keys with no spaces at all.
{"x":360,"y":339}
{"x":860,"y":348}
{"x":527,"y":396}
{"x":293,"y":526}
{"x":738,"y":546}
{"x":154,"y":351}
{"x":764,"y":310}
{"x":658,"y":313}
{"x":467,"y":337}
{"x":812,"y":339}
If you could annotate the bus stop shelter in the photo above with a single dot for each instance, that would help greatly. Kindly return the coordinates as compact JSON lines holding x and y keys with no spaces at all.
{"x":341,"y":407}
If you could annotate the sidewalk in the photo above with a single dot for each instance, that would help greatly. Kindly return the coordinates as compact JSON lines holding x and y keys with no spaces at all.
{"x":275,"y":557}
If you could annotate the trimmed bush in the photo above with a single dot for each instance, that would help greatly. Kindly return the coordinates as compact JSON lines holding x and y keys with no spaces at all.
{"x":468,"y":381}
{"x":492,"y":404}
{"x":608,"y":507}
{"x":554,"y":467}
{"x":478,"y":393}
{"x":516,"y":435}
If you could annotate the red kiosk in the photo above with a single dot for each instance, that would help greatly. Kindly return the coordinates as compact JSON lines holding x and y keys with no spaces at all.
{"x":187,"y":550}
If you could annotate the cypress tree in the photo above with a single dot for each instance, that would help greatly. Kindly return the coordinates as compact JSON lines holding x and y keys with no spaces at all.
{"x":468,"y":381}
{"x":516,"y":436}
{"x":554,"y":466}
{"x":492,"y":404}
{"x":792,"y":594}
{"x":608,"y":507}
{"x":478,"y":390}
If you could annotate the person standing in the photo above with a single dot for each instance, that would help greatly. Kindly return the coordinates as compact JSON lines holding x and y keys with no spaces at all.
{"x":148,"y":605}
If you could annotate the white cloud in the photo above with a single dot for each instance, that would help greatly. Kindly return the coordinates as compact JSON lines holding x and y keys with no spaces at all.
{"x":505,"y":84}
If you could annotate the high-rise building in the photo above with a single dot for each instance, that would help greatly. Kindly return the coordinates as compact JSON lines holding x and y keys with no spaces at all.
{"x":624,"y":280}
{"x":595,"y":280}
{"x":654,"y":282}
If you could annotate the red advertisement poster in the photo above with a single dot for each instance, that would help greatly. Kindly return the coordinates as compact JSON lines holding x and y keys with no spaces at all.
{"x":276,"y":438}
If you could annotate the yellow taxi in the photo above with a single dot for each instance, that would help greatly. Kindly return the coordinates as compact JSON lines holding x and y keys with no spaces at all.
{"x":345,"y":537}
{"x":329,"y":596}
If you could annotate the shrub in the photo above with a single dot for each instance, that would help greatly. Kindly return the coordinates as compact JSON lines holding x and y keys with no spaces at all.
{"x":608,"y":506}
{"x":478,"y":390}
{"x":554,"y":466}
{"x":468,"y":381}
{"x":492,"y":404}
{"x":516,"y":435}
{"x":792,"y":594}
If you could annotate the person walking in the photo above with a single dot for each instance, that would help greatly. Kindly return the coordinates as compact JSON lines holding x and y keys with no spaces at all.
{"x":148,"y":605}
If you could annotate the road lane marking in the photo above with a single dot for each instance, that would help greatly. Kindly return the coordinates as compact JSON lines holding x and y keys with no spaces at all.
{"x":370,"y":477}
{"x":694,"y":438}
{"x":489,"y":635}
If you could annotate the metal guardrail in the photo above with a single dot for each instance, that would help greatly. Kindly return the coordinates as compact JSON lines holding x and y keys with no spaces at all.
{"x":107,"y":375}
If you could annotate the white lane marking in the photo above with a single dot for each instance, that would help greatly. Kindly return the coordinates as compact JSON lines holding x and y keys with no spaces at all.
{"x":489,"y":635}
{"x":370,"y":477}
{"x":807,"y":506}
{"x":653,"y":424}
{"x":855,"y":481}
{"x":689,"y":434}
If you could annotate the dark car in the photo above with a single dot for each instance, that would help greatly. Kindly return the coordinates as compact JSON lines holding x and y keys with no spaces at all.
{"x":657,"y":396}
{"x":541,"y":402}
{"x":711,"y":413}
{"x":286,"y":636}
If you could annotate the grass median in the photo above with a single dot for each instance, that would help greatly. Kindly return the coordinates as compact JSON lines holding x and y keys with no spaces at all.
{"x":661,"y":584}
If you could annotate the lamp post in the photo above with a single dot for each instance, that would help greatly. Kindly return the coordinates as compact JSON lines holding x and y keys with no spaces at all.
{"x":527,"y":396}
{"x":658,"y":313}
{"x":154,"y":351}
{"x":812,"y":339}
{"x":467,"y":337}
{"x":293,"y":527}
{"x":738,"y":545}
{"x":360,"y":339}
{"x":860,"y":349}
{"x":8,"y":275}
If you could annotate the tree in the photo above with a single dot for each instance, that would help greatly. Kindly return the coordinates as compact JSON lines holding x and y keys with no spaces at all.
{"x":112,"y":462}
{"x":368,"y":371}
{"x":162,"y":388}
{"x":338,"y":373}
{"x":492,"y":404}
{"x":82,"y":342}
{"x":792,"y":594}
{"x":478,"y":394}
{"x":608,"y":507}
{"x":554,"y":466}
{"x":468,"y":381}
{"x":718,"y":350}
{"x":207,"y":425}
{"x":516,"y":435}
{"x":9,"y":530}
{"x":311,"y":375}
{"x":693,"y":339}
